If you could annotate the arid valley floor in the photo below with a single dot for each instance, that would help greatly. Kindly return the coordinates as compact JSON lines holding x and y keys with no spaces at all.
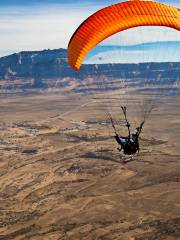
{"x":62,"y":177}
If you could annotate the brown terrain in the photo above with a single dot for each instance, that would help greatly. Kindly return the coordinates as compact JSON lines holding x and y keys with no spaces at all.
{"x":62,"y":177}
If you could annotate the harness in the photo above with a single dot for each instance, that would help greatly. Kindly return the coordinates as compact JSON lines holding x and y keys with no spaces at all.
{"x":130,"y":146}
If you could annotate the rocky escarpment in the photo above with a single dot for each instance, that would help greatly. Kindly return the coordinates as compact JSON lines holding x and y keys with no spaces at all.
{"x":43,"y":69}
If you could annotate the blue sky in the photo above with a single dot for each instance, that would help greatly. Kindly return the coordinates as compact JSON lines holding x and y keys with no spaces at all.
{"x":43,"y":24}
{"x":28,"y":2}
{"x":25,"y":2}
{"x":70,"y":2}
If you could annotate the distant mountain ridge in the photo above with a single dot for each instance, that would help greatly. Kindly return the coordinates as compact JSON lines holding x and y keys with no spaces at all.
{"x":167,"y":51}
{"x":49,"y":68}
{"x":27,"y":63}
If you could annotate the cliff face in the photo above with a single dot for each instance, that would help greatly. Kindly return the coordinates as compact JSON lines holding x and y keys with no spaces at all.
{"x":43,"y":68}
{"x":32,"y":64}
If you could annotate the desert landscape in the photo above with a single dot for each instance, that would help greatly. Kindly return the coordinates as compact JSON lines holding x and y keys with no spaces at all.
{"x":62,"y":177}
{"x":90,"y":120}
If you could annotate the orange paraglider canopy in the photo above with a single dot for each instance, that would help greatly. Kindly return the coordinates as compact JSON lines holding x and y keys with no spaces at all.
{"x":116,"y":18}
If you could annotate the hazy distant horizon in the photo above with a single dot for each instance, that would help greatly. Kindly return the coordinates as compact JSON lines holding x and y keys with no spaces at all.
{"x":161,"y":51}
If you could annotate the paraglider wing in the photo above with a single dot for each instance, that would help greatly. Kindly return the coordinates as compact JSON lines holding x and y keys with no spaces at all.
{"x":116,"y":18}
